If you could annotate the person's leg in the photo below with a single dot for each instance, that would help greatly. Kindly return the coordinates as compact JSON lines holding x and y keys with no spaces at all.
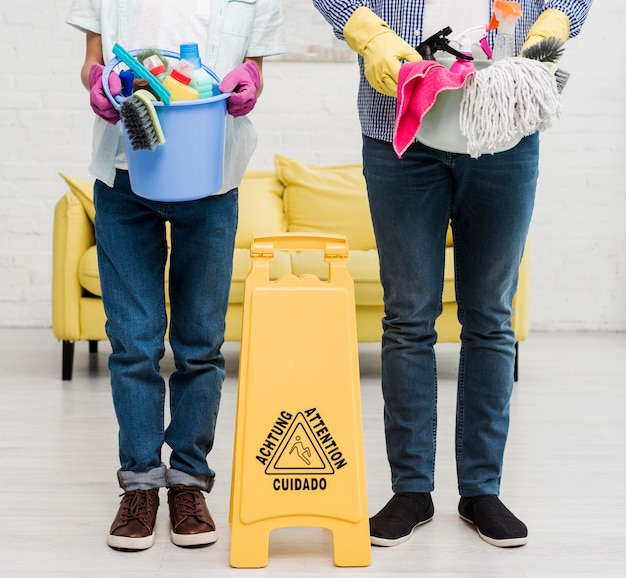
{"x":202,"y":239}
{"x":409,"y":202}
{"x":491,"y":212}
{"x":132,"y":251}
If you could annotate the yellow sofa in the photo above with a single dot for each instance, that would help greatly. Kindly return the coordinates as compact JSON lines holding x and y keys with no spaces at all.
{"x":294,"y":197}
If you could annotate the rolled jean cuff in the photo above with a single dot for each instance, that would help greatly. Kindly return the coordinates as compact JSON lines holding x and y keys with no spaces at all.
{"x":148,"y":480}
{"x":174,"y":476}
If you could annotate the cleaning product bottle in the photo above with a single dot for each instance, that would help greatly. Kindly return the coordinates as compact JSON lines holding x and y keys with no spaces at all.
{"x":127,"y":77}
{"x":178,"y":82}
{"x":465,"y":48}
{"x":201,"y":80}
{"x":155,"y":65}
{"x":505,"y":14}
{"x":189,"y":52}
{"x":474,"y":39}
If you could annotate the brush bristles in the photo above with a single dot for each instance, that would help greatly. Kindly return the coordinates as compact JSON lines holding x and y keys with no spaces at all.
{"x":561,"y":76}
{"x":547,"y":50}
{"x":138,"y":125}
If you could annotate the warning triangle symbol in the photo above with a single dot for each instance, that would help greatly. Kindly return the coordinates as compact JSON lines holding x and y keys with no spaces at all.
{"x":299,"y":452}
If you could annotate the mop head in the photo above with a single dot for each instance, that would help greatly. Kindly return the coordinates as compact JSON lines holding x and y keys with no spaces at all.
{"x":513,"y":96}
{"x":141,"y":121}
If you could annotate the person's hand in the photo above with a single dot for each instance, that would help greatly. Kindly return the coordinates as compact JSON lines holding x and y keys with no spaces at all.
{"x":244,"y":82}
{"x":382,"y":49}
{"x":100,"y":104}
{"x":551,"y":23}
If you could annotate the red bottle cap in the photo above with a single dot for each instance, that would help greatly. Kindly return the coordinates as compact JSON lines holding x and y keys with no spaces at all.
{"x":155,"y":65}
{"x":183,"y":72}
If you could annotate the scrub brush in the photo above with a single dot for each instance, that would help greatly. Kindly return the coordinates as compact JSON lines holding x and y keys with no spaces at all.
{"x":549,"y":51}
{"x":141,"y":121}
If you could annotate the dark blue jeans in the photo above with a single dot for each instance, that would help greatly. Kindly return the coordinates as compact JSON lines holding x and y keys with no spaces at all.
{"x":132,"y":251}
{"x":489,"y":202}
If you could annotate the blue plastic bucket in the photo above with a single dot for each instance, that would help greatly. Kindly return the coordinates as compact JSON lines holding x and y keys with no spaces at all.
{"x":189,"y":165}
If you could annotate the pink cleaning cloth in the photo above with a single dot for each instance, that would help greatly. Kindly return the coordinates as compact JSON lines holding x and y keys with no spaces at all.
{"x":419,"y":83}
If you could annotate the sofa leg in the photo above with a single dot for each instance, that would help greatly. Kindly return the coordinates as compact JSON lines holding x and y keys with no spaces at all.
{"x":93,"y":347}
{"x":68,"y":360}
{"x":516,"y":366}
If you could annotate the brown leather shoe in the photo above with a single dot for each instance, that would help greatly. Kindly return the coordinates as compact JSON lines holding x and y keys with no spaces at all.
{"x":192,"y":524}
{"x":133,"y":527}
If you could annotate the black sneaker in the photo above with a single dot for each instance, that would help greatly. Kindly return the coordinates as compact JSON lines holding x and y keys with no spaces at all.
{"x":495,"y":523}
{"x":395,"y":523}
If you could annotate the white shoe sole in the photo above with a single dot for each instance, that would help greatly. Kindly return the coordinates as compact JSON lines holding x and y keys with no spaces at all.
{"x":186,"y":540}
{"x":505,"y":543}
{"x":126,"y":543}
{"x":387,"y":543}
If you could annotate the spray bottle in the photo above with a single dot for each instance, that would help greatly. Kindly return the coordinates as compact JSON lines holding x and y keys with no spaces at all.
{"x":439,"y":41}
{"x":465,"y":48}
{"x":473,"y":41}
{"x":505,"y":14}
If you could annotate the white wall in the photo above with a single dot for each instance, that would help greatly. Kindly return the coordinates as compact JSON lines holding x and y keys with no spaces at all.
{"x":308,"y":112}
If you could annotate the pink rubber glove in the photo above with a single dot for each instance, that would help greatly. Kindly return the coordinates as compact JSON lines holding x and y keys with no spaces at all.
{"x":243,"y":81}
{"x":100,"y":104}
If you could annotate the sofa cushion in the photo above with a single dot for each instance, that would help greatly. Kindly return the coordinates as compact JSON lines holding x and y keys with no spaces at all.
{"x":330,"y":199}
{"x":83,"y":189}
{"x":88,"y":275}
{"x":362,"y":267}
{"x":449,"y":295}
{"x":260,"y":207}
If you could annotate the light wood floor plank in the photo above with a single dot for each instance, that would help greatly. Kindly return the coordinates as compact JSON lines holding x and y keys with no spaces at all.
{"x":564,"y":475}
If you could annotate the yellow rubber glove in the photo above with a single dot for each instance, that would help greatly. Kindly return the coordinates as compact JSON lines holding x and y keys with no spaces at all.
{"x":381,"y":48}
{"x":551,"y":22}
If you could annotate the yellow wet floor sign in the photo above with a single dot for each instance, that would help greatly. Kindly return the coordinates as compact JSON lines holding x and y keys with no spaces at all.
{"x":298,"y":457}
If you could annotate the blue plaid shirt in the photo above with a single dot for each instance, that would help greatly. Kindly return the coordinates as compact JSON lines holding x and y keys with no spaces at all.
{"x":377,"y":111}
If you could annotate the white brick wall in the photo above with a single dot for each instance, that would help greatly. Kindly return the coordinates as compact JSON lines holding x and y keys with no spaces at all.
{"x":308,"y":112}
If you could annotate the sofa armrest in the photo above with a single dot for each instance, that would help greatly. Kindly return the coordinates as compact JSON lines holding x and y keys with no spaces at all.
{"x":521,"y":301}
{"x":73,"y":234}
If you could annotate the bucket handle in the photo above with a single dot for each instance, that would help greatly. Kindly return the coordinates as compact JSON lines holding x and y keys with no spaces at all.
{"x":116,"y":101}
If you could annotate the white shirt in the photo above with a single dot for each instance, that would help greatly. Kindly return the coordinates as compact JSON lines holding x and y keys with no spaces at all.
{"x":235,"y":30}
{"x":168,"y":24}
{"x":466,"y":14}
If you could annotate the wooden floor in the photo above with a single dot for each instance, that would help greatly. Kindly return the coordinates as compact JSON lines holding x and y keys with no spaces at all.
{"x":565,"y":472}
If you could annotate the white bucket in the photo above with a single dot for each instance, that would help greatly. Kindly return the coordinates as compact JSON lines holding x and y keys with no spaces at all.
{"x":440,"y":128}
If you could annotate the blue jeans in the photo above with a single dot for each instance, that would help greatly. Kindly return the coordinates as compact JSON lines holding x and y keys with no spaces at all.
{"x":489,"y":202}
{"x":132,"y":251}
